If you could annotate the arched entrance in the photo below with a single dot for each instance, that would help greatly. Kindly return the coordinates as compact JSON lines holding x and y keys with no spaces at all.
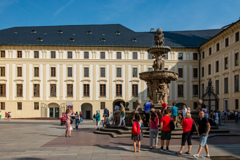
{"x":117,"y":102}
{"x":180,"y":105}
{"x":53,"y":110}
{"x":86,"y":109}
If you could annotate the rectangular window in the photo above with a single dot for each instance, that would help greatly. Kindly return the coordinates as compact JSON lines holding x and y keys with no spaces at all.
{"x":135,"y":55}
{"x":217,"y":66}
{"x":134,"y":90}
{"x":165,"y":69}
{"x":86,"y":90}
{"x":217,"y":86}
{"x":236,"y":36}
{"x":195,"y":56}
{"x":19,"y":54}
{"x":134,"y":72}
{"x":19,"y":105}
{"x":102,"y":55}
{"x":53,"y":90}
{"x":2,"y":90}
{"x":36,"y":71}
{"x":203,"y":54}
{"x":202,"y":71}
{"x":102,"y":105}
{"x":226,"y":63}
{"x":225,"y":85}
{"x":209,"y":69}
{"x":36,"y":105}
{"x":69,"y":90}
{"x":19,"y":90}
{"x":102,"y":70}
{"x":102,"y":90}
{"x":53,"y":72}
{"x":86,"y":72}
{"x":150,"y":69}
{"x":86,"y":55}
{"x":36,"y":90}
{"x":210,"y":51}
{"x":149,"y":56}
{"x":217,"y":47}
{"x":166,"y":56}
{"x":119,"y":55}
{"x":236,"y":82}
{"x":69,"y":71}
{"x":226,"y":42}
{"x":118,"y":90}
{"x":53,"y":54}
{"x":236,"y":104}
{"x":195,"y":72}
{"x":180,"y":56}
{"x":134,"y":106}
{"x":69,"y":55}
{"x":36,"y":54}
{"x":2,"y":54}
{"x":119,"y":72}
{"x":180,"y":90}
{"x":180,"y":72}
{"x":2,"y":105}
{"x":203,"y":89}
{"x":2,"y":71}
{"x":195,"y":105}
{"x":195,"y":90}
{"x":236,"y":59}
{"x":19,"y":71}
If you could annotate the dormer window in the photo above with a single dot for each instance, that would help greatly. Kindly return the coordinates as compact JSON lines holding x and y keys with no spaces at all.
{"x":59,"y":31}
{"x":39,"y":39}
{"x":117,"y":33}
{"x":89,"y":32}
{"x":33,"y":31}
{"x":71,"y":39}
{"x":133,"y":40}
{"x":102,"y":40}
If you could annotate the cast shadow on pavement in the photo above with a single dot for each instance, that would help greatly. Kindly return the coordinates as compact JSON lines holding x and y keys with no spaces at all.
{"x":28,"y":158}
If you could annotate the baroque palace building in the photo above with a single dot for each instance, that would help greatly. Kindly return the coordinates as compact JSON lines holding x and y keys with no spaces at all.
{"x":45,"y":69}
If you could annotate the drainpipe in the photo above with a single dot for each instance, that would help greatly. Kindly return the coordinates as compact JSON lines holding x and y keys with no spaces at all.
{"x":199,"y":75}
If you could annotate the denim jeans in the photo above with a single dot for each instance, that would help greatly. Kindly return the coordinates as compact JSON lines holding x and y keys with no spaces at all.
{"x":77,"y":123}
{"x":203,"y":140}
{"x":152,"y":133}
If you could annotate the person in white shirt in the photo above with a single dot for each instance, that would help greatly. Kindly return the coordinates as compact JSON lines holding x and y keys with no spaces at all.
{"x":204,"y":109}
{"x":184,"y":111}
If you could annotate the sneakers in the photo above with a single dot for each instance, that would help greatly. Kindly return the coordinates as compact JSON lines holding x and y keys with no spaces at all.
{"x":167,"y":149}
{"x":162,"y":148}
{"x":206,"y":157}
{"x":196,"y":156}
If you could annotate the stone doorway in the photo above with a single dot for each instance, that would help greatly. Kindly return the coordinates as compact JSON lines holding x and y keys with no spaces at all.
{"x":118,"y":101}
{"x":53,"y":110}
{"x":86,"y":109}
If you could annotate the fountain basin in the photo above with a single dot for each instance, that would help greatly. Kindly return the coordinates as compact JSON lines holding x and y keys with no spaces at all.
{"x":158,"y":75}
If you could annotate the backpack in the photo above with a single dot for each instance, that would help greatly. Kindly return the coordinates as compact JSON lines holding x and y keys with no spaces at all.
{"x":194,"y":127}
{"x":172,"y":126}
{"x":136,"y":128}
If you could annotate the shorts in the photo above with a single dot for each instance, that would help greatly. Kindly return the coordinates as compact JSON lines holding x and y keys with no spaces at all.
{"x":175,"y":119}
{"x":203,"y":140}
{"x":165,"y":135}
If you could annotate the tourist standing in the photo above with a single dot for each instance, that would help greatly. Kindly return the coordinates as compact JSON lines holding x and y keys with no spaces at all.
{"x":225,"y":115}
{"x":184,"y":111}
{"x":147,"y":107}
{"x":9,"y":116}
{"x":136,"y":132}
{"x":0,"y":115}
{"x":236,"y":116}
{"x":216,"y":117}
{"x":97,"y":119}
{"x":117,"y":108}
{"x":154,"y":121}
{"x":6,"y":116}
{"x":187,"y":124}
{"x":106,"y":111}
{"x":204,"y":109}
{"x":68,"y":123}
{"x":81,"y":117}
{"x":76,"y":120}
{"x":122,"y":115}
{"x":174,"y":113}
{"x":203,"y":128}
{"x":165,"y":129}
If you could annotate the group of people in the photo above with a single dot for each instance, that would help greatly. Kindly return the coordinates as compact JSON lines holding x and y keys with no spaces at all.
{"x":237,"y":116}
{"x":165,"y":120}
{"x":8,"y":115}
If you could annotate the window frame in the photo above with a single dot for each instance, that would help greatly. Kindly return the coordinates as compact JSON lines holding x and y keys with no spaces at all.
{"x":69,"y":90}
{"x":134,"y":90}
{"x":86,"y":90}
{"x":53,"y":93}
{"x":86,"y":71}
{"x":182,"y":91}
{"x":102,"y":90}
{"x":36,"y":105}
{"x":36,"y":90}
{"x":118,"y":90}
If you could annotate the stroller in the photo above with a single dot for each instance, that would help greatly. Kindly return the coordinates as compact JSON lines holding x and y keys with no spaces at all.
{"x":63,"y":121}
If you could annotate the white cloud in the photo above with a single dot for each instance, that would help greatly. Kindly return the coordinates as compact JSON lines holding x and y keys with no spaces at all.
{"x":61,"y":9}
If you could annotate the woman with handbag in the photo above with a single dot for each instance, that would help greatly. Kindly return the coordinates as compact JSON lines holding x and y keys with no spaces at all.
{"x":187,"y":125}
{"x":68,"y":125}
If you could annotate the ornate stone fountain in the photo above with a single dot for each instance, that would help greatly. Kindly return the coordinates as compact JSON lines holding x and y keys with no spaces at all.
{"x":158,"y":80}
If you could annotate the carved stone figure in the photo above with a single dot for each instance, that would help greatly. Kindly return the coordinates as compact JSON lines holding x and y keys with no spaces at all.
{"x":158,"y":38}
{"x":158,"y":64}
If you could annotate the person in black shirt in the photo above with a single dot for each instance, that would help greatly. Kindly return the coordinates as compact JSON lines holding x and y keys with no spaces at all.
{"x":203,"y":129}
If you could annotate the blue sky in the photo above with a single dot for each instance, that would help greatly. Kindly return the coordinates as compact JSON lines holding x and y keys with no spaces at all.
{"x":138,"y":15}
